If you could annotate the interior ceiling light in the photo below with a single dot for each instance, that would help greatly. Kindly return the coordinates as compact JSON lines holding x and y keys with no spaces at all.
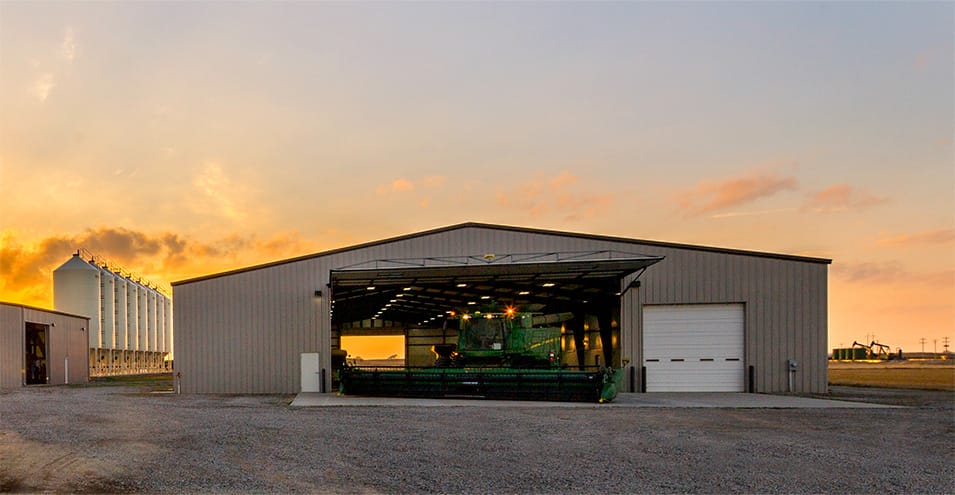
{"x":370,"y":287}
{"x":549,"y":284}
{"x":406,"y":288}
{"x":523,"y":292}
{"x":471,"y":303}
{"x":393,"y":301}
{"x":462,"y":285}
{"x":485,"y":297}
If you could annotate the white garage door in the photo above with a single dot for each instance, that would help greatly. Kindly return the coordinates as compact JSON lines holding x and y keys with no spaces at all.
{"x":694,"y":348}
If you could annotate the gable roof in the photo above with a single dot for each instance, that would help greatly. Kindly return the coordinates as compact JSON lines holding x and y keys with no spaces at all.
{"x":45,"y":310}
{"x":525,"y":230}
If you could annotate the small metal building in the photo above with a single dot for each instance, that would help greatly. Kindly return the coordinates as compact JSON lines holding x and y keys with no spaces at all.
{"x":41,"y":346}
{"x":678,"y":317}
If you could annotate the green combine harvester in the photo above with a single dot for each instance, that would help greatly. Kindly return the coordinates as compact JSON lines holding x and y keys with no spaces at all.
{"x":498,"y":356}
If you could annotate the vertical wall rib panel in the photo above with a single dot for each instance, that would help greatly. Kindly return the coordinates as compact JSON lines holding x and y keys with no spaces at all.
{"x":12,"y":347}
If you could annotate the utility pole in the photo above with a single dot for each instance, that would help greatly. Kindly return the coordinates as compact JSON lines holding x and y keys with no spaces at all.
{"x":922,"y":341}
{"x":935,"y":346}
{"x":945,"y":343}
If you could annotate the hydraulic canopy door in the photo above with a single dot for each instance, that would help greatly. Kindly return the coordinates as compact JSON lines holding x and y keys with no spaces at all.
{"x":572,"y":296}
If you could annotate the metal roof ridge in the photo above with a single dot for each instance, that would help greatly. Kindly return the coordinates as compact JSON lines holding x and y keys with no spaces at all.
{"x":45,"y":310}
{"x":531,"y":230}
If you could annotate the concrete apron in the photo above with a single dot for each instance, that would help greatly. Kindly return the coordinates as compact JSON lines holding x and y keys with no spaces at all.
{"x":725,"y":400}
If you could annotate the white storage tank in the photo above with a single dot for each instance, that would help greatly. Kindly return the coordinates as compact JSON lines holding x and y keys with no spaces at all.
{"x":108,"y":309}
{"x":160,"y":323}
{"x":132,"y":315}
{"x":150,"y":320}
{"x":76,"y":290}
{"x":141,"y":322}
{"x":119,"y":289}
{"x":167,"y":327}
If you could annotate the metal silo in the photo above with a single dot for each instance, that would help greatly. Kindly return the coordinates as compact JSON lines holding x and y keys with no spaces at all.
{"x":160,"y":323}
{"x":132,"y":316}
{"x":76,"y":289}
{"x":108,"y":308}
{"x":119,"y":301}
{"x":167,"y":327}
{"x":141,"y":322}
{"x":150,"y":320}
{"x":119,"y":291}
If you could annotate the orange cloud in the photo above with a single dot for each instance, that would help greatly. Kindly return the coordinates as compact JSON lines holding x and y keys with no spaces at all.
{"x":868,"y":271}
{"x":401,"y":184}
{"x":434,"y":181}
{"x":26,"y":268}
{"x":560,"y":195}
{"x":841,"y":197}
{"x":220,"y":192}
{"x":710,"y":196}
{"x":889,"y":272}
{"x":937,"y":236}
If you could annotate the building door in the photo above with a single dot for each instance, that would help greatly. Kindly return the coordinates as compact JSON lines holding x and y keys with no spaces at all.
{"x":694,"y":348}
{"x":36,"y":337}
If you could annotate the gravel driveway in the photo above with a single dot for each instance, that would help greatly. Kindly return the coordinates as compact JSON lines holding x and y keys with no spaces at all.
{"x":124,"y":439}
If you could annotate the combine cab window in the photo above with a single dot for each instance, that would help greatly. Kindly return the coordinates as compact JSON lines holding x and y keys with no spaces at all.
{"x":482,"y":334}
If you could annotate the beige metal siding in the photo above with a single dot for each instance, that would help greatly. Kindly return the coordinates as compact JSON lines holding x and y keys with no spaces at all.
{"x":244,"y":332}
{"x":11,"y":346}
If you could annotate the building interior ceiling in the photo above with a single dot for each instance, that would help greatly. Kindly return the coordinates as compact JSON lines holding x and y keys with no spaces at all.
{"x":424,"y":292}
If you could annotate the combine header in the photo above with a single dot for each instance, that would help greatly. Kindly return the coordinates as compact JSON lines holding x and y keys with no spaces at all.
{"x":498,"y":356}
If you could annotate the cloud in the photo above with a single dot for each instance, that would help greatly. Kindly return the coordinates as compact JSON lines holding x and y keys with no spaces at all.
{"x":219,"y":191}
{"x":841,"y":197}
{"x":26,"y":268}
{"x":402,"y":185}
{"x":928,"y":237}
{"x":68,"y":46}
{"x":43,"y":86}
{"x":396,"y":186}
{"x":868,"y":271}
{"x":710,"y":196}
{"x":890,"y":272}
{"x":734,"y":214}
{"x":558,"y":195}
{"x":434,"y":181}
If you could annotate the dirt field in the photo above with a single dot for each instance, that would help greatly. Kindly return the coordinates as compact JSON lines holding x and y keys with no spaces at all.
{"x":121,"y":438}
{"x":925,"y":375}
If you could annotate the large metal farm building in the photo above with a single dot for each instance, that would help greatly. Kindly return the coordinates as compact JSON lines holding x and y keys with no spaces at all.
{"x":675,"y":317}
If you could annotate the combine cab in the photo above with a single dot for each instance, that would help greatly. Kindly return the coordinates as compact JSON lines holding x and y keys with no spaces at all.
{"x":502,"y":340}
{"x":498,"y":356}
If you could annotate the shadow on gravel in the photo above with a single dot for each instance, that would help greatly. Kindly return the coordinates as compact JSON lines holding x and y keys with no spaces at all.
{"x":156,"y":382}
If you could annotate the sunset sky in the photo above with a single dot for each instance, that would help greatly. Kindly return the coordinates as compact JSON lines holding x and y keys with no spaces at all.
{"x":185,"y":138}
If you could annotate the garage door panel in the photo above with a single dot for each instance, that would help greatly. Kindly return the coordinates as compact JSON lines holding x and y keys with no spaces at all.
{"x":694,"y":347}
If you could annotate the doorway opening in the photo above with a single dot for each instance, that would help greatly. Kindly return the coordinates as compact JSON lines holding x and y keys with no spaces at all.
{"x":374,"y":350}
{"x":35,"y":362}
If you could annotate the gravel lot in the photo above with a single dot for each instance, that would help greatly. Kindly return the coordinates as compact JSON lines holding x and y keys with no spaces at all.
{"x":97,"y":439}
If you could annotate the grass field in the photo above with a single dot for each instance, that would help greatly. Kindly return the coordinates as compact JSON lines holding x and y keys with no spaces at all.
{"x":906,"y":374}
